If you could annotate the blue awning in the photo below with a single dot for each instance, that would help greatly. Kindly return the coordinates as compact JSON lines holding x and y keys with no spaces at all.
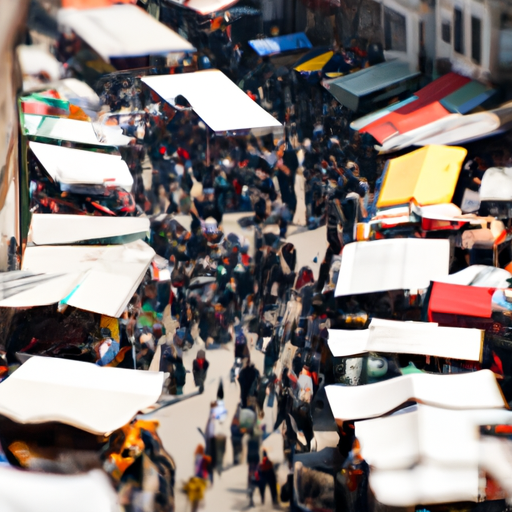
{"x":281,"y":44}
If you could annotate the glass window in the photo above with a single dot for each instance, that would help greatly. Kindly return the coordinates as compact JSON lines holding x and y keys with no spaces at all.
{"x":505,"y":49}
{"x":394,"y":31}
{"x":458,"y":30}
{"x":446,"y":31}
{"x":476,"y":39}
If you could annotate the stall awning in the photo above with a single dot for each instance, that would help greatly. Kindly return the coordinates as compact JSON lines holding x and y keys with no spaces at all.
{"x":455,"y":129}
{"x":467,"y":98}
{"x":423,"y":338}
{"x":479,"y":275}
{"x":455,"y":299}
{"x":123,"y":31}
{"x":48,"y":229}
{"x":427,"y":176}
{"x":280,"y":44}
{"x":23,"y":491}
{"x":424,"y":110}
{"x":101,"y":279}
{"x":81,"y":132}
{"x":68,"y":166}
{"x":388,"y":77}
{"x":441,"y":446}
{"x":204,"y":7}
{"x":475,"y":390}
{"x":222,"y":105}
{"x":83,"y":395}
{"x":394,"y":264}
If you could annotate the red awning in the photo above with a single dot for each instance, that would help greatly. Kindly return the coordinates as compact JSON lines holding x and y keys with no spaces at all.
{"x":424,"y":110}
{"x":460,"y":300}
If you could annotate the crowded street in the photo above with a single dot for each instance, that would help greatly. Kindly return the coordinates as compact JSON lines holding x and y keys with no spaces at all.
{"x":256,"y":255}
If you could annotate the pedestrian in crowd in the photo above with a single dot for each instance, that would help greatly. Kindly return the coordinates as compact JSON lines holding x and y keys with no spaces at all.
{"x":200,"y":369}
{"x":266,"y":476}
{"x":248,"y":380}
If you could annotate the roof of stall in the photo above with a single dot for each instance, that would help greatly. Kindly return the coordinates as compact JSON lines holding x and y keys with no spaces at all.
{"x":101,"y":279}
{"x":394,"y":264}
{"x":68,"y":166}
{"x":280,"y":44}
{"x":49,"y":229}
{"x":83,"y":395}
{"x":428,"y":176}
{"x":221,"y":104}
{"x":123,"y":31}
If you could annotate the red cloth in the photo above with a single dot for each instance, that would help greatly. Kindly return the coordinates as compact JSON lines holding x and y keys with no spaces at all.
{"x":424,"y":110}
{"x":460,"y":300}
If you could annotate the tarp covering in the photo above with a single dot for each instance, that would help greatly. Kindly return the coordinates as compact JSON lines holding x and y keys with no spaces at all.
{"x":460,"y":300}
{"x":68,"y":166}
{"x":395,"y":264}
{"x":82,"y":132}
{"x":48,"y":229}
{"x":26,"y":491}
{"x":476,"y":390}
{"x":314,"y":62}
{"x":420,"y":112}
{"x":280,"y":44}
{"x":101,"y":279}
{"x":428,"y":175}
{"x":423,"y":338}
{"x":349,"y":89}
{"x":496,"y":184}
{"x":222,"y":105}
{"x":83,"y":395}
{"x":479,"y":275}
{"x":123,"y":31}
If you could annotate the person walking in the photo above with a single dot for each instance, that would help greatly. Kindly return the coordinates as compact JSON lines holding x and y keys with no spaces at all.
{"x":200,"y":369}
{"x":266,"y":476}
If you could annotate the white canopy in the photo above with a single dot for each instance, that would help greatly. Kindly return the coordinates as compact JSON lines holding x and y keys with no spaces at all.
{"x":394,"y":264}
{"x":426,"y":484}
{"x":27,"y":491}
{"x":479,"y":275}
{"x":496,"y":184}
{"x":89,"y":397}
{"x":48,"y":229}
{"x":82,"y":132}
{"x":408,"y":338}
{"x":222,"y":105}
{"x":433,"y":440}
{"x":426,"y":434}
{"x":205,"y":6}
{"x":123,"y":31}
{"x":69,"y":166}
{"x":477,"y":390}
{"x":35,"y":59}
{"x":101,"y":279}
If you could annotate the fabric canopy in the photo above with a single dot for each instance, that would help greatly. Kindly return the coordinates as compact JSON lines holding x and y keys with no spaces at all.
{"x":479,"y":275}
{"x":460,"y":300}
{"x":26,"y":491}
{"x":496,"y":184}
{"x":417,"y":113}
{"x":313,"y":61}
{"x":69,"y":166}
{"x":48,"y":229}
{"x":123,"y":31}
{"x":349,"y":89}
{"x":83,"y":395}
{"x":428,"y":175}
{"x":423,"y":338}
{"x":101,"y":279}
{"x":82,"y":132}
{"x":280,"y":44}
{"x":394,"y":264}
{"x":475,"y":390}
{"x":222,"y":105}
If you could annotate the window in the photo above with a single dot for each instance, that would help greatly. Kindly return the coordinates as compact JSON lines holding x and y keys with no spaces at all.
{"x":458,"y":30}
{"x":476,"y":39}
{"x":505,"y":49}
{"x":446,"y":31}
{"x":394,"y":31}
